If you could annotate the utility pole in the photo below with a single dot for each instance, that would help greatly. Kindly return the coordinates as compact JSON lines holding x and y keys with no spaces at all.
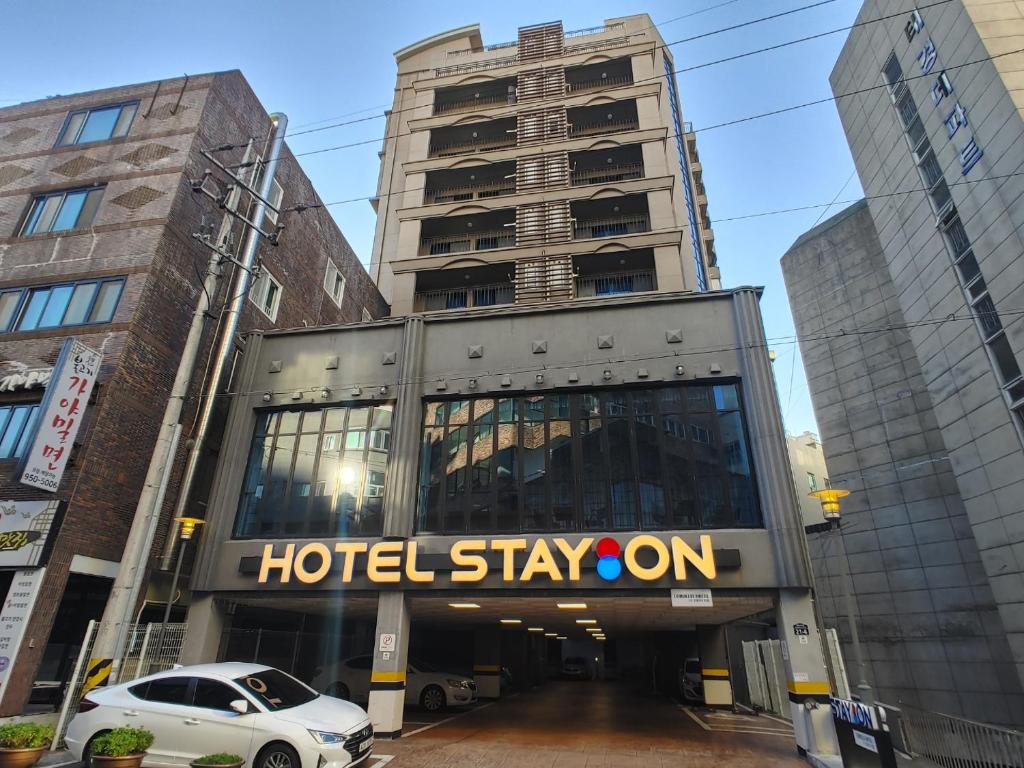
{"x":118,"y":615}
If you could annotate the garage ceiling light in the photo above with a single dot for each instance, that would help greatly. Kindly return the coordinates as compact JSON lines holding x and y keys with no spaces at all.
{"x":561,"y":637}
{"x":463,"y":605}
{"x":586,"y":621}
{"x":550,"y":634}
{"x":535,"y":629}
{"x":595,"y":630}
{"x":599,"y":637}
{"x":572,"y":606}
{"x":511,"y":621}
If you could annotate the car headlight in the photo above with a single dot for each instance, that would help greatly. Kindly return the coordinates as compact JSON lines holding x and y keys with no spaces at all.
{"x":325,"y":737}
{"x":457,"y":683}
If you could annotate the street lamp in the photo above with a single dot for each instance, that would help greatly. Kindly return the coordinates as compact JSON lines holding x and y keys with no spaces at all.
{"x":186,"y":528}
{"x":830,"y":499}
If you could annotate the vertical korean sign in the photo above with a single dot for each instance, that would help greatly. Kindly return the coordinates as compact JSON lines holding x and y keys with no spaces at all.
{"x":61,"y":411}
{"x":21,"y":598}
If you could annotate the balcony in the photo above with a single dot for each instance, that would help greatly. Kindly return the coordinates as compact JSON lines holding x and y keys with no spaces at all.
{"x":597,"y":77}
{"x":612,"y":274}
{"x":606,"y":166}
{"x":476,"y":137}
{"x":463,"y":234}
{"x":602,"y":119}
{"x":465,"y":288}
{"x":476,"y":183}
{"x":610,"y":217}
{"x":469,"y":97}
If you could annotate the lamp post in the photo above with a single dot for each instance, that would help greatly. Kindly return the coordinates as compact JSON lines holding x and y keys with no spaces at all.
{"x":187,"y":527}
{"x":830,"y":499}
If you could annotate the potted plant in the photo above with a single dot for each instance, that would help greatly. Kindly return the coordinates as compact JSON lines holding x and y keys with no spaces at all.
{"x":120,"y":748}
{"x":22,"y":744}
{"x":221,"y":760}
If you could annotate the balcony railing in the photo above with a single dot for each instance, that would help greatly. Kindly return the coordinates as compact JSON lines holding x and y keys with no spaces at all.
{"x":599,"y":84}
{"x":491,"y":47}
{"x":611,"y":226}
{"x":607,"y":175}
{"x":476,"y":66}
{"x":468,"y":241}
{"x":482,"y":144}
{"x":466,"y":298}
{"x":598,"y":45}
{"x":615,"y":283}
{"x":595,"y":30}
{"x":577,"y":130}
{"x":461,"y":105}
{"x":471,"y":192}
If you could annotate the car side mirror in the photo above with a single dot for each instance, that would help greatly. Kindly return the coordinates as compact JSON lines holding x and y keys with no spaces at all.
{"x":241,"y":706}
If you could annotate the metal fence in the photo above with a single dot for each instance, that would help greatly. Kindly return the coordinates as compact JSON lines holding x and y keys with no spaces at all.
{"x":149,"y":650}
{"x":766,"y":677}
{"x":955,"y":742}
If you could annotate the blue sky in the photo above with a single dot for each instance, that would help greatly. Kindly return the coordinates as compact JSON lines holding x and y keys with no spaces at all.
{"x":318,"y":60}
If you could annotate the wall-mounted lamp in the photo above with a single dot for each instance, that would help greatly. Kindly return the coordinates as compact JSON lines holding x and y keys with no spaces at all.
{"x":539,"y":378}
{"x":680,"y":370}
{"x":325,"y":393}
{"x":472,"y":383}
{"x":266,"y":397}
{"x":357,"y":391}
{"x":606,"y":375}
{"x":383,"y":389}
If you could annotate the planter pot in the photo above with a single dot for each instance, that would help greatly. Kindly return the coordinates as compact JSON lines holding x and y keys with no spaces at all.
{"x":128,"y":761}
{"x":239,"y":764}
{"x":20,"y":758}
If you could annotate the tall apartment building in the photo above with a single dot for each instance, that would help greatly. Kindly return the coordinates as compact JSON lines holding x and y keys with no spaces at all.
{"x":97,"y":217}
{"x":547,"y":168}
{"x":930,"y":628}
{"x":930,"y":104}
{"x":810,"y":473}
{"x":563,"y":398}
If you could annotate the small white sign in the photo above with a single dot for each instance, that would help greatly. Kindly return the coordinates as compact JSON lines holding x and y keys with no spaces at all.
{"x":865,"y":740}
{"x":387,"y":643}
{"x":801,"y":677}
{"x":21,"y":598}
{"x":60,"y":416}
{"x":692,"y":598}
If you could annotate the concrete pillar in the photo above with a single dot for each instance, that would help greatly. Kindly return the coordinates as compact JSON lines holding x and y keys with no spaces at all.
{"x":806,"y":676}
{"x":714,"y":663}
{"x":487,"y":662}
{"x":205,"y":625}
{"x":387,"y":680}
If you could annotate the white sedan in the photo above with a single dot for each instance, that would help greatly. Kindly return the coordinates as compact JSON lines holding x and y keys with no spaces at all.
{"x":263,"y":714}
{"x":431,"y":688}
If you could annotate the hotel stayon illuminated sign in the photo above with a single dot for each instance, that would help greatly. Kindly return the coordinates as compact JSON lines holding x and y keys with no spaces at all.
{"x":644,"y":556}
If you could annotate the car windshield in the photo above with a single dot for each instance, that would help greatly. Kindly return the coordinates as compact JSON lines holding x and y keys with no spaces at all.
{"x":275,"y":689}
{"x":420,"y":666}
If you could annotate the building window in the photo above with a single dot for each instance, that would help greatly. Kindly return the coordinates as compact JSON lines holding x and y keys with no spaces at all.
{"x":316,"y":473}
{"x":334,"y":283}
{"x":276,"y":193}
{"x":266,"y":294}
{"x":98,"y":124}
{"x":56,"y":306}
{"x":62,"y":211}
{"x":812,"y":481}
{"x":643,"y":459}
{"x":16,"y":423}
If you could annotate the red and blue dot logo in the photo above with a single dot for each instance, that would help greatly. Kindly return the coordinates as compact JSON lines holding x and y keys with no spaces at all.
{"x":609,"y":567}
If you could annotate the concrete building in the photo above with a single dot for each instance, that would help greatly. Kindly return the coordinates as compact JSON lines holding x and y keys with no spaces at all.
{"x":810,"y":473}
{"x":930,"y":628}
{"x":572,"y":417}
{"x":96,"y":244}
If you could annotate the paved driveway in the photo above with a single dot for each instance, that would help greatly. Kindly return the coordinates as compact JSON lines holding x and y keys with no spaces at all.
{"x":590,"y":725}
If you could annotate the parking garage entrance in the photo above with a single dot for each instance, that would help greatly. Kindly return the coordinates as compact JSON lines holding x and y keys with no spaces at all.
{"x":469,"y":647}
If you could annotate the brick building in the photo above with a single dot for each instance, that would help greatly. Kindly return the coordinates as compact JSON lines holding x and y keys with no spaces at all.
{"x":96,"y":242}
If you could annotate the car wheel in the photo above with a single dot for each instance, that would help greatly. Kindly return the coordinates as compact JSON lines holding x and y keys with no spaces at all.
{"x":338,"y":690}
{"x":433,"y":699}
{"x":87,"y":761}
{"x":278,"y":755}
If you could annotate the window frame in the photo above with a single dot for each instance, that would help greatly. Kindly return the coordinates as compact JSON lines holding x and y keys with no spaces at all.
{"x":258,"y":291}
{"x":274,"y":199}
{"x":24,"y":430}
{"x":337,"y":273}
{"x":26,"y":292}
{"x":29,"y":217}
{"x":88,"y":111}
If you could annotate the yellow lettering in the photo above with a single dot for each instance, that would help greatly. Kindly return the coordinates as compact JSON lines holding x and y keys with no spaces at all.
{"x":284,"y":563}
{"x":704,"y":562}
{"x":540,"y":561}
{"x":657,"y":570}
{"x":349,"y":549}
{"x":410,"y":566}
{"x":508,"y":547}
{"x":379,"y":559}
{"x":574,"y":555}
{"x":476,"y":562}
{"x":312,"y":577}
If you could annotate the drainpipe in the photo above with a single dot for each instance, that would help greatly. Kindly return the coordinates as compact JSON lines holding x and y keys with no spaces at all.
{"x":238,"y":293}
